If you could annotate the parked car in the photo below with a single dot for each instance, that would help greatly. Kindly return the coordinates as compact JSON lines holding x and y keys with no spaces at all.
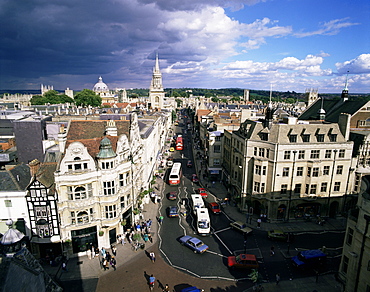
{"x":202,"y":192}
{"x":194,"y":178}
{"x":214,"y":208}
{"x":189,"y":163}
{"x":169,"y":161}
{"x":240,"y":226}
{"x":243,"y":261}
{"x":172,"y":195}
{"x":191,"y":289}
{"x":172,"y":211}
{"x":310,"y":259}
{"x":193,"y":243}
{"x":277,"y":235}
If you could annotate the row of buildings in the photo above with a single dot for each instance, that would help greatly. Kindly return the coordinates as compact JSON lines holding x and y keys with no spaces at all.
{"x":297,"y":167}
{"x":73,"y":178}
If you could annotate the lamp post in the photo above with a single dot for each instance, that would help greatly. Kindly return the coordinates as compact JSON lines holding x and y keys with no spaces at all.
{"x":291,"y":186}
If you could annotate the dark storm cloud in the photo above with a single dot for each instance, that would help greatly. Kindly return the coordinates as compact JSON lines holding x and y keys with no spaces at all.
{"x":45,"y":38}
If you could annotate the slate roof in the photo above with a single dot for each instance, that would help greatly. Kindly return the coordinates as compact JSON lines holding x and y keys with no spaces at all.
{"x":333,"y":109}
{"x":15,"y":179}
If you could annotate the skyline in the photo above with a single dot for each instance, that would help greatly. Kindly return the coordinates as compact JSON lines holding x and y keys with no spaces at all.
{"x":252,"y":44}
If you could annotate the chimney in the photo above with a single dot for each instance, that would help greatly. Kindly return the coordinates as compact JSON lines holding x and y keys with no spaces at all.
{"x":34,"y":167}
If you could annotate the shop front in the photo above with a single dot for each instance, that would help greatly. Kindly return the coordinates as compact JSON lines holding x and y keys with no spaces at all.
{"x":83,"y":239}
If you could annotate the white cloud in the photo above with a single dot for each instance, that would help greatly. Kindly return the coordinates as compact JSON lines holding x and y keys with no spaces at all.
{"x":359,"y":65}
{"x":331,"y":27}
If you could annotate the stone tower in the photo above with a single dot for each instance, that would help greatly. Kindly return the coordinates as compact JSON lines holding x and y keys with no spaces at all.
{"x":156,"y":91}
{"x":311,"y":96}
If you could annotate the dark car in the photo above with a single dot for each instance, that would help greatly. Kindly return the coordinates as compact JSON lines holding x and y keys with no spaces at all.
{"x":202,"y":192}
{"x":189,"y":163}
{"x":194,"y":178}
{"x":173,"y":212}
{"x":194,"y":243}
{"x":172,"y":196}
{"x":243,"y":261}
{"x":277,"y":235}
{"x":240,"y":226}
{"x":214,"y":208}
{"x":309,"y":259}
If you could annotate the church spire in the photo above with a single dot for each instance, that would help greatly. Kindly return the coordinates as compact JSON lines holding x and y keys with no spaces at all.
{"x":156,"y":91}
{"x":345,"y":90}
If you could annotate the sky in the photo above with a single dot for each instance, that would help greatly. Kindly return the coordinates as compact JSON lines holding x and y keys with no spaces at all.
{"x":289,"y":45}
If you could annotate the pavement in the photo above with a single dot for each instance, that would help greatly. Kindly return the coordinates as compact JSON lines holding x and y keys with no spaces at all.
{"x":134,"y":268}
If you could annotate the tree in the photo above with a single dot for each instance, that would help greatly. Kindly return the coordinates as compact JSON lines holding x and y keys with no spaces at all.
{"x":87,"y":97}
{"x":215,"y":99}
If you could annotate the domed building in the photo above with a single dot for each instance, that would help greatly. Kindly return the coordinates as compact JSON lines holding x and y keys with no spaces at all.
{"x":103,"y":91}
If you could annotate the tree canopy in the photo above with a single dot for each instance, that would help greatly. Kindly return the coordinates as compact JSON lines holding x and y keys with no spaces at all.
{"x":51,"y":97}
{"x":87,"y":97}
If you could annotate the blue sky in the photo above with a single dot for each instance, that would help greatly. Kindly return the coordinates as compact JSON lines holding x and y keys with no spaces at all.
{"x":291,"y":44}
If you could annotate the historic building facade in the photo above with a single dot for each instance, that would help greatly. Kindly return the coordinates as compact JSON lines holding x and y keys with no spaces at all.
{"x":289,"y":169}
{"x":98,"y":181}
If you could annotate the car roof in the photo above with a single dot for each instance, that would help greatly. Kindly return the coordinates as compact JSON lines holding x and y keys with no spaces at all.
{"x":313,"y":253}
{"x":195,"y":240}
{"x":250,"y":257}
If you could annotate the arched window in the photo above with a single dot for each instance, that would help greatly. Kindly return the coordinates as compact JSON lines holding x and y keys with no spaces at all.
{"x":82,"y":217}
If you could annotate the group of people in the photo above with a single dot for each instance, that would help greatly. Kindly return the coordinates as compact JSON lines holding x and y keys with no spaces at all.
{"x":108,"y":259}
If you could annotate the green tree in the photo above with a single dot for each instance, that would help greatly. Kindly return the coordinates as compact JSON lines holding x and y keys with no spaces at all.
{"x":38,"y":100}
{"x":87,"y":97}
{"x":215,"y":99}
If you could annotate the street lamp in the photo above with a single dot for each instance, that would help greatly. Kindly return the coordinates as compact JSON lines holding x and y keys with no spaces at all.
{"x":291,"y":186}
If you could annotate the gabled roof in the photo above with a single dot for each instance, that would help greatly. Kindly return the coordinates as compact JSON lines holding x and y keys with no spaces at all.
{"x":333,"y":109}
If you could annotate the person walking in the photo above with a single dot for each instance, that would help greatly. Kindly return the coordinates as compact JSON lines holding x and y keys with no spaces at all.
{"x":114,"y":250}
{"x":64,"y":266}
{"x":166,"y":288}
{"x":113,"y":262}
{"x":272,"y":251}
{"x":152,"y":257}
{"x":277,"y":278}
{"x":151,"y":282}
{"x":92,"y":252}
{"x":88,"y":252}
{"x":259,"y":223}
{"x":105,"y":264}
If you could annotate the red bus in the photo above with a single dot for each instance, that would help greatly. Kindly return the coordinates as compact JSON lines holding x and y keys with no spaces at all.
{"x":179,"y":143}
{"x":175,"y":174}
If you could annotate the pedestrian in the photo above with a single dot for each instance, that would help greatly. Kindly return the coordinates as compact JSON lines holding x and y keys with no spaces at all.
{"x":150,"y":238}
{"x":123,"y":239}
{"x":138,"y":227}
{"x":277,"y":278}
{"x":96,"y":251}
{"x":113,"y":262}
{"x":64,"y":266}
{"x":108,"y":256}
{"x":151,"y":282}
{"x":160,"y":219}
{"x":166,"y":288}
{"x":259,"y":223}
{"x":152,"y":257}
{"x":92,"y":252}
{"x":272,"y":251}
{"x":150,"y":222}
{"x":88,"y":252}
{"x":105,"y":264}
{"x":114,"y":250}
{"x":103,"y":252}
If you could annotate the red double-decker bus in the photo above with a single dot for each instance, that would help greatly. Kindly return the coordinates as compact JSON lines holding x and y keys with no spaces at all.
{"x":179,"y":143}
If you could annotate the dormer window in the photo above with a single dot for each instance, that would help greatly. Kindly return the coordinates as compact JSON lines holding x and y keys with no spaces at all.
{"x":333,"y":137}
{"x":264,"y":136}
{"x":320,"y":137}
{"x":293,"y":138}
{"x":306,"y":138}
